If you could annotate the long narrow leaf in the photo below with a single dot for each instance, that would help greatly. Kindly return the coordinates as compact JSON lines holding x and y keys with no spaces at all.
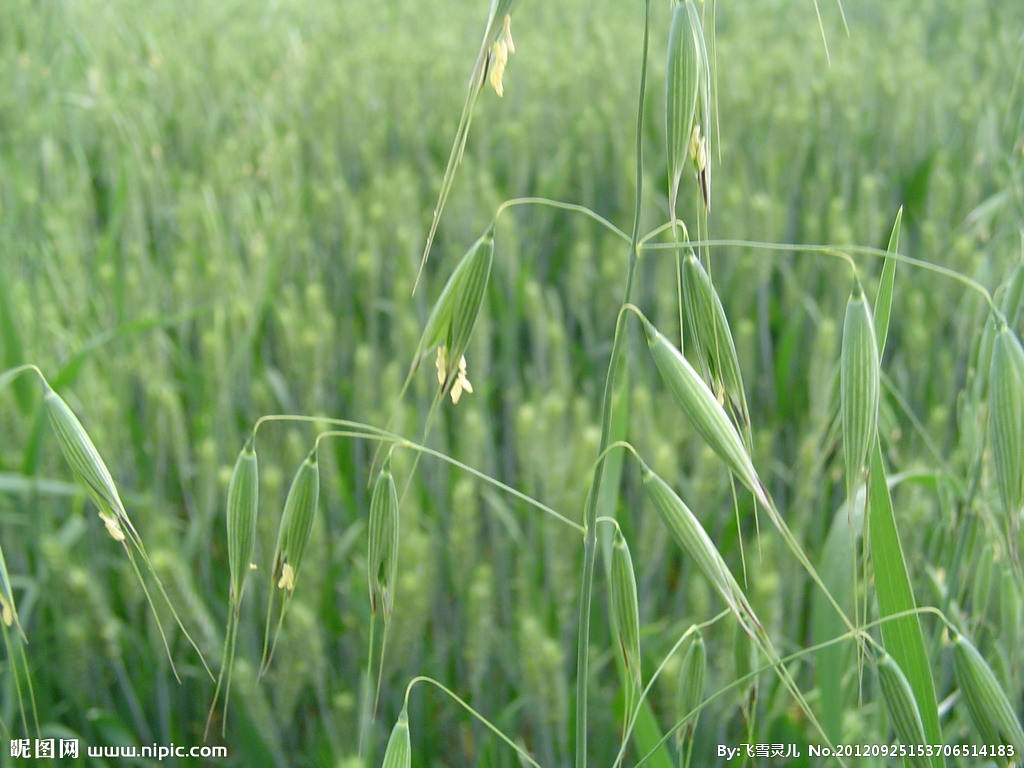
{"x":647,"y":734}
{"x":836,"y":568}
{"x":883,"y":301}
{"x":608,"y":495}
{"x":902,"y":637}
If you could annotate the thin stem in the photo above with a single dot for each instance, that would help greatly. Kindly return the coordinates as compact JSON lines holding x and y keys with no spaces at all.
{"x":285,"y":600}
{"x":364,"y":720}
{"x":650,"y":683}
{"x":833,"y":250}
{"x":17,"y":682}
{"x":226,"y":660}
{"x":738,"y":682}
{"x":137,"y":541}
{"x":152,"y":607}
{"x":490,"y":726}
{"x":438,"y":399}
{"x":231,"y":670}
{"x":12,"y":373}
{"x":380,"y":663}
{"x":679,"y":292}
{"x":21,"y":642}
{"x":631,"y":307}
{"x":289,"y":417}
{"x":574,"y":207}
{"x":796,"y":549}
{"x":612,"y":446}
{"x":363,"y":431}
{"x":496,"y":483}
{"x":821,"y":29}
{"x":590,"y":516}
{"x":266,"y":630}
{"x":661,"y":228}
{"x":843,"y":256}
{"x":609,"y":521}
{"x":476,"y":84}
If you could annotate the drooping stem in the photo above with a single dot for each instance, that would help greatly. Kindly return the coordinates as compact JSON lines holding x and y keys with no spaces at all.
{"x":13,"y":373}
{"x":363,"y":431}
{"x":523,"y":754}
{"x":857,"y":632}
{"x":841,"y":252}
{"x":634,"y":712}
{"x":573,"y":207}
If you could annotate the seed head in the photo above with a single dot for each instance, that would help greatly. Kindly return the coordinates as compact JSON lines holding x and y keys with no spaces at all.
{"x":297,"y":521}
{"x":382,"y":544}
{"x":899,"y":701}
{"x":703,"y":410}
{"x":87,"y":464}
{"x":243,"y":502}
{"x":625,"y":608}
{"x":859,"y":386}
{"x":1006,"y":419}
{"x":990,"y":709}
{"x":454,"y":315}
{"x":682,"y":87}
{"x":690,"y":690}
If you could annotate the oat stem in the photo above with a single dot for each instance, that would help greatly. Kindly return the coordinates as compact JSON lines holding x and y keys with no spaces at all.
{"x":523,"y":754}
{"x":363,"y":431}
{"x":590,"y":516}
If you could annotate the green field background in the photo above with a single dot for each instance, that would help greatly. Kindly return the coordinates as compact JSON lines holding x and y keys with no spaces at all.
{"x":212,"y":211}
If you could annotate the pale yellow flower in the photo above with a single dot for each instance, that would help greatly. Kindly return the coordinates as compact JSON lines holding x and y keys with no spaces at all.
{"x":6,"y":613}
{"x":287,"y":580}
{"x":506,"y":34}
{"x":461,"y":381}
{"x":442,"y":364}
{"x":503,"y":48}
{"x":113,"y":527}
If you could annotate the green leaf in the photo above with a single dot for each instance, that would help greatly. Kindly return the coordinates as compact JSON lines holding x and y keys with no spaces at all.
{"x":647,"y":733}
{"x":608,"y":494}
{"x":901,"y":637}
{"x":831,"y":663}
{"x":883,"y":301}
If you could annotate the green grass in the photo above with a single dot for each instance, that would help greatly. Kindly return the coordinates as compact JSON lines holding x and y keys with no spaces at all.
{"x":212,"y":212}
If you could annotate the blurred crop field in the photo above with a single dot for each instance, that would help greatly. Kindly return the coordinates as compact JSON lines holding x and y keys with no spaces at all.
{"x":215,"y":211}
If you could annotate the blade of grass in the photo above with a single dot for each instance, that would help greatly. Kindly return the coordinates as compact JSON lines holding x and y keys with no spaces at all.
{"x":837,"y":574}
{"x":883,"y":300}
{"x":902,"y":637}
{"x":649,"y":738}
{"x":608,"y":493}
